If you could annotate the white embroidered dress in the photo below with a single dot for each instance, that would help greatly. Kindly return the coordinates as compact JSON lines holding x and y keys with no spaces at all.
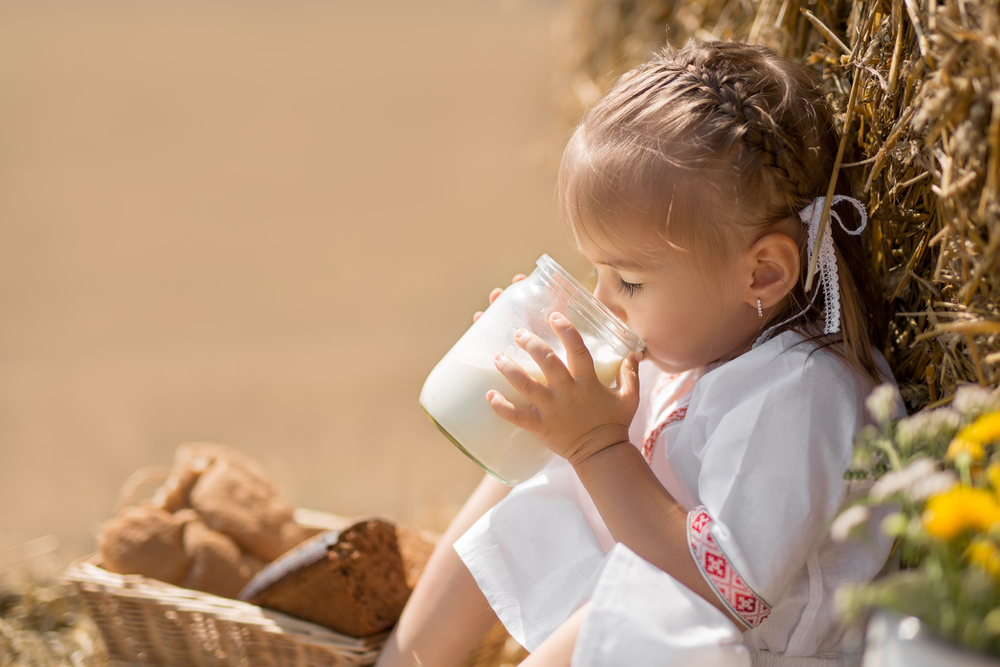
{"x":755,"y":449}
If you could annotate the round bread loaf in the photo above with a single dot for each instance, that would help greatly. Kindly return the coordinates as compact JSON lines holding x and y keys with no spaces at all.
{"x":145,"y":540}
{"x":217,"y":565}
{"x":191,"y":460}
{"x":236,"y":499}
{"x":188,"y":466}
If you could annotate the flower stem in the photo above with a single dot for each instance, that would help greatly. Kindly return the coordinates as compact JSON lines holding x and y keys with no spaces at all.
{"x":890,"y":451}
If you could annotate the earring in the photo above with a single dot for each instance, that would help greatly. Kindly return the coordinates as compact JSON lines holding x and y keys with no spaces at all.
{"x":760,"y":311}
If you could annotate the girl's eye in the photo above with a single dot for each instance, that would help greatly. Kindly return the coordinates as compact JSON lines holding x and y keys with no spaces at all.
{"x":628,"y":289}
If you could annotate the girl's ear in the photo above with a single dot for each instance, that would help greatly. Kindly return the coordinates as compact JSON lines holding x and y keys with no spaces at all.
{"x":773,"y":262}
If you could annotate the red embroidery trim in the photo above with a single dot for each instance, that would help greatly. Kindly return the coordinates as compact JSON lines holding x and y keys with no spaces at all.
{"x":648,"y":443}
{"x":664,"y":380}
{"x":720,"y":573}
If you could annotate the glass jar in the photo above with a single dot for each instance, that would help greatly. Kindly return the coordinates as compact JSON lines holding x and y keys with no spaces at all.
{"x":454,"y":394}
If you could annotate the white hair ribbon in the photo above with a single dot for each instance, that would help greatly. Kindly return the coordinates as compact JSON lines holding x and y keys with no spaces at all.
{"x":826,"y":265}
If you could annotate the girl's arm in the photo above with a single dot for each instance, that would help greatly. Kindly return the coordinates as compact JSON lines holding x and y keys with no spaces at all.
{"x":447,"y":615}
{"x":642,"y":515}
{"x":587,"y":423}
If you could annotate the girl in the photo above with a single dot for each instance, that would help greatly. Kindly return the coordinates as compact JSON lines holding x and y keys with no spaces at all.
{"x":685,"y":519}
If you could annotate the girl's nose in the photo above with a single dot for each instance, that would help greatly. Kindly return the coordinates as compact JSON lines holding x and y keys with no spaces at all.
{"x":606,"y":296}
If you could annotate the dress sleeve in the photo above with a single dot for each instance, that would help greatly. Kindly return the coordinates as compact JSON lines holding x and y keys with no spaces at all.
{"x":771,"y":474}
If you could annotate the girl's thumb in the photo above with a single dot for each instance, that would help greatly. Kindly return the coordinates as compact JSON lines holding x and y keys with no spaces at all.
{"x":628,"y":378}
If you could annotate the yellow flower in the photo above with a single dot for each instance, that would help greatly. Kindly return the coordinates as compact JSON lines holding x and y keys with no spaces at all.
{"x":961,"y":446}
{"x":984,"y":554}
{"x":971,"y":439}
{"x":950,"y":513}
{"x":993,"y":475}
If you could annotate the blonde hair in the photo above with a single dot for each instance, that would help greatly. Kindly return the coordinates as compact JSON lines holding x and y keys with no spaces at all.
{"x":707,"y":146}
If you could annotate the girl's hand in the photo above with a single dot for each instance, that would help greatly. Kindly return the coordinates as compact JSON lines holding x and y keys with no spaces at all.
{"x":496,"y":292}
{"x":573,"y":413}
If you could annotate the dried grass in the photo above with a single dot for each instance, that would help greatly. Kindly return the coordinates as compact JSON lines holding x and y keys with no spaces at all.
{"x":923,"y":145}
{"x":42,"y":623}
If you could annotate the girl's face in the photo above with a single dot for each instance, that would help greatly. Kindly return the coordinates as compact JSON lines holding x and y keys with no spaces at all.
{"x":689,"y":307}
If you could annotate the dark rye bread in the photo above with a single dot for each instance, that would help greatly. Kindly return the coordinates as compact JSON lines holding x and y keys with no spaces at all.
{"x":353,"y":581}
{"x":416,"y":547}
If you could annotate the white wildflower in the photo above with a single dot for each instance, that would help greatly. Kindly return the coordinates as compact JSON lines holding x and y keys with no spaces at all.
{"x":895,"y":525}
{"x":972,"y":400}
{"x":928,"y":426}
{"x":848,"y":520}
{"x":901,"y":480}
{"x":932,"y":485}
{"x":883,"y":403}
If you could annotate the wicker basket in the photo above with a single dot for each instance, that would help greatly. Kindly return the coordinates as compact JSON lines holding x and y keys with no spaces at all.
{"x":147,"y":622}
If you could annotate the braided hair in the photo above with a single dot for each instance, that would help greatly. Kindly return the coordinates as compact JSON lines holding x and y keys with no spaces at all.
{"x":708,"y":146}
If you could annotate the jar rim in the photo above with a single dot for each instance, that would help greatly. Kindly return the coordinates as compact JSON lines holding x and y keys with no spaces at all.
{"x":589,"y":305}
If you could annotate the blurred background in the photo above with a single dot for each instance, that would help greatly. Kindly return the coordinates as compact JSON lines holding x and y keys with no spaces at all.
{"x":259,"y":224}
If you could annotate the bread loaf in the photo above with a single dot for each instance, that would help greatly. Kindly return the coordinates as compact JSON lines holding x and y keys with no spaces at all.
{"x":145,"y":540}
{"x":415,"y":548}
{"x":236,"y":499}
{"x":190,"y":461}
{"x":216,"y":564}
{"x":352,"y":581}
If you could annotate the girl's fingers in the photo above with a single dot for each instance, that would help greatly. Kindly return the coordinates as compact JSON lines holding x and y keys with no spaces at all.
{"x":520,"y":417}
{"x":527,"y":386}
{"x":578,"y":358}
{"x":548,"y":361}
{"x":495,"y":293}
{"x":518,"y":278}
{"x":628,"y":374}
{"x":476,"y":315}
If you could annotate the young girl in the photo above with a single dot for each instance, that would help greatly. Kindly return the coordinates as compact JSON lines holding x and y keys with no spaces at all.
{"x":685,"y":518}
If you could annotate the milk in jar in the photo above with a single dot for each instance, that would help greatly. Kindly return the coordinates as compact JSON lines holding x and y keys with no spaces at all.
{"x":508,"y":452}
{"x":454,"y":394}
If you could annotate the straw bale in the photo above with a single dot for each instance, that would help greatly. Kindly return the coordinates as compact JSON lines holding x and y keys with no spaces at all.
{"x":923,"y":145}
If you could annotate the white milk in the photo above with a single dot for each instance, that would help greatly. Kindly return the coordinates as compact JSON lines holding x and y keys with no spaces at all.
{"x":454,"y":396}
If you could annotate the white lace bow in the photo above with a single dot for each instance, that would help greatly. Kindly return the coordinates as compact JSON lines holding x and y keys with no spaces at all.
{"x":826,"y":265}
